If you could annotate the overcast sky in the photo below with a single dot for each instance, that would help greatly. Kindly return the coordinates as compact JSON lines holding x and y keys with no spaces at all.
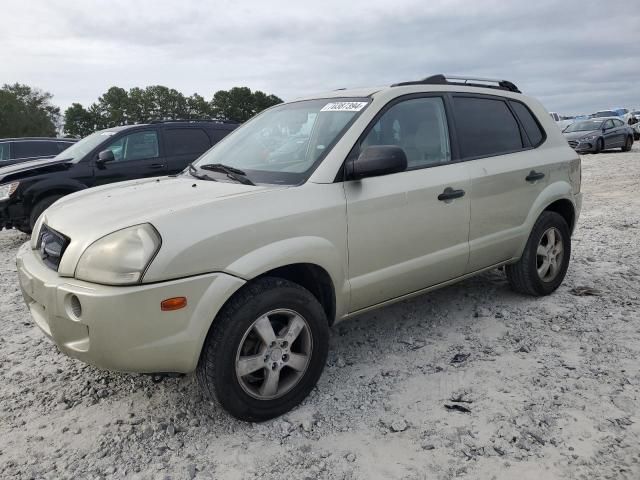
{"x":576,"y":56}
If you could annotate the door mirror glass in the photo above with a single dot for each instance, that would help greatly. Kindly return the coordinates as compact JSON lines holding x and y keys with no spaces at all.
{"x":378,"y":160}
{"x":106,"y":156}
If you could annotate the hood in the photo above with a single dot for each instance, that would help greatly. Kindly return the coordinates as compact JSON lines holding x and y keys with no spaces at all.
{"x":90,"y":214}
{"x":21,"y":170}
{"x":579,"y":135}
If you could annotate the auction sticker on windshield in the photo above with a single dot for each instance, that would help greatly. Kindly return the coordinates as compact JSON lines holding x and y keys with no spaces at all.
{"x":344,"y":107}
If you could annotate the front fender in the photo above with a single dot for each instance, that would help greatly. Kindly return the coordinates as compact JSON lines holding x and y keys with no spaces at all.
{"x":41,"y":189}
{"x":313,"y":250}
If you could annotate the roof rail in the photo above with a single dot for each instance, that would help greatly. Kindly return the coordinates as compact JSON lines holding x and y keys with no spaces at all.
{"x":193,"y":120}
{"x":441,"y":79}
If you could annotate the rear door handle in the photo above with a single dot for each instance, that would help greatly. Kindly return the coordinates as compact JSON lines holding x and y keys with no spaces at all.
{"x":155,"y":166}
{"x":533,"y":176}
{"x":450,"y":194}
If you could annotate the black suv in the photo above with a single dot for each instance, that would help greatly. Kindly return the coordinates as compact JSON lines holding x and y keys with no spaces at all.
{"x":107,"y":156}
{"x":16,"y":150}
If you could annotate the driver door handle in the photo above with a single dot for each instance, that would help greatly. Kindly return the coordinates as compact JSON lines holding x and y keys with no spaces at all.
{"x":155,"y":166}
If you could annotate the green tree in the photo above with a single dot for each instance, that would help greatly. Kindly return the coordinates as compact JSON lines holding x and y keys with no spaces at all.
{"x":114,"y":106}
{"x":78,"y":121}
{"x":240,"y":103}
{"x":198,"y":108}
{"x":26,"y":111}
{"x":118,"y":106}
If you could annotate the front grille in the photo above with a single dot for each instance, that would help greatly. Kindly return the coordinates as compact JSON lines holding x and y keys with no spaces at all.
{"x":51,"y":245}
{"x":573,"y":143}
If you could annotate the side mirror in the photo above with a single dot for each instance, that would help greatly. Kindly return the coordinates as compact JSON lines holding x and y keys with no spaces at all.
{"x":105,"y":156}
{"x":378,"y":160}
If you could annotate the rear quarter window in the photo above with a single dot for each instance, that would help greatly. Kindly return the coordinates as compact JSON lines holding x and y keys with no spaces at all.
{"x":485,"y":127}
{"x":529,"y":123}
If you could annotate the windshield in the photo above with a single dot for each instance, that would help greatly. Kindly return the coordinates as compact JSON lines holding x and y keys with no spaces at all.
{"x":284,"y":144}
{"x":84,"y":146}
{"x":584,"y":126}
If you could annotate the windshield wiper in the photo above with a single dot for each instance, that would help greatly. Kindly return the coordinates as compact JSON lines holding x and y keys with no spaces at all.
{"x":231,"y":172}
{"x":194,"y":173}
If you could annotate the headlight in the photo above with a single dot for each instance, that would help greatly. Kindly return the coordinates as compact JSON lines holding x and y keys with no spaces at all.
{"x":121,"y":257}
{"x":8,"y":189}
{"x":589,"y":137}
{"x":36,"y":232}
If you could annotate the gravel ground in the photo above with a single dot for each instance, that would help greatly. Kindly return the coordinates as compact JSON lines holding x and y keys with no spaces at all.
{"x":471,"y":381}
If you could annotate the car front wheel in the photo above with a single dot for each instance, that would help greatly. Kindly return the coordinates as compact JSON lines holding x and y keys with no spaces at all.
{"x":266,"y":350}
{"x":599,"y":146}
{"x":545,"y":259}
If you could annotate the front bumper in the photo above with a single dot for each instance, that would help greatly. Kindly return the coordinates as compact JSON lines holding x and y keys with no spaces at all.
{"x":123,"y":328}
{"x":582,"y":146}
{"x":11,"y":214}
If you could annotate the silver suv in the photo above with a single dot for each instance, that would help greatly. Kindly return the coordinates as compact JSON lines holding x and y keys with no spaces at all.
{"x":312,"y":212}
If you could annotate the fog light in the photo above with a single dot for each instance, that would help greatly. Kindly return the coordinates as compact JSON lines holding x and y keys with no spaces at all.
{"x":74,"y":307}
{"x":175,"y":303}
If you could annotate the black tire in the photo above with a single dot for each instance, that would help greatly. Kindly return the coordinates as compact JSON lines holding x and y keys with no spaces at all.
{"x":523,"y":275}
{"x":216,"y":371}
{"x":38,"y":209}
{"x":627,"y":144}
{"x":599,"y":146}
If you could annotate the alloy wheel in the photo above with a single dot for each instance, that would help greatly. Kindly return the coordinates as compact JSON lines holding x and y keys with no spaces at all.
{"x":274,"y":354}
{"x":549,"y":255}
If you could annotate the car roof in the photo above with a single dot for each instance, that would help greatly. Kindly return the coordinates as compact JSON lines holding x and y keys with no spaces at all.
{"x":600,"y":119}
{"x":52,"y":139}
{"x":362,"y":92}
{"x":216,"y":124}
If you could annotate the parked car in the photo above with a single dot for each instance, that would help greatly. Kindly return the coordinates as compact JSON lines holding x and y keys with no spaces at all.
{"x":599,"y":134}
{"x":16,"y":150}
{"x":107,"y":156}
{"x":626,"y":115}
{"x":312,"y":212}
{"x":636,"y":131}
{"x":605,"y":114}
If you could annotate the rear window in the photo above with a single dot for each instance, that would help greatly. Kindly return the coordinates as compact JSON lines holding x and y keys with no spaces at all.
{"x":34,"y":148}
{"x":485,"y":127}
{"x":182,"y":141}
{"x":531,"y":126}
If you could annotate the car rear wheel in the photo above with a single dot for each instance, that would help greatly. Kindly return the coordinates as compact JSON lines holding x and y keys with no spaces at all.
{"x":627,"y":144}
{"x":266,"y":350}
{"x":545,"y":259}
{"x":38,"y":210}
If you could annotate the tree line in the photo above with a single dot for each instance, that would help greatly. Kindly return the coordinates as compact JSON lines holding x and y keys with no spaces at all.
{"x":26,"y":111}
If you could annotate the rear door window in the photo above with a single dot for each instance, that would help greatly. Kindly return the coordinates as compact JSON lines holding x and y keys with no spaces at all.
{"x":618,"y":123}
{"x":531,"y":126}
{"x":183,"y":141}
{"x":485,"y":127}
{"x":34,"y":148}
